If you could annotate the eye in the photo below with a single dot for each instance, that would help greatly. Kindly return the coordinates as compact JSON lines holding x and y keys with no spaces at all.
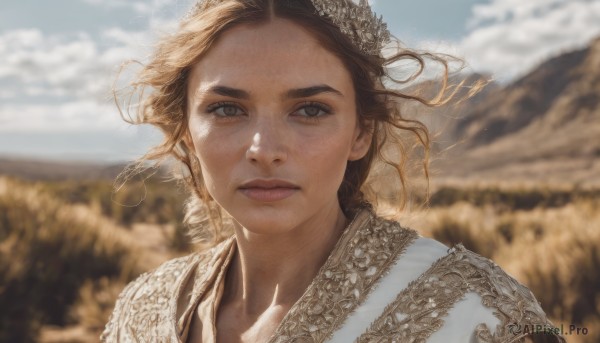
{"x":225,"y":109}
{"x":313,"y":110}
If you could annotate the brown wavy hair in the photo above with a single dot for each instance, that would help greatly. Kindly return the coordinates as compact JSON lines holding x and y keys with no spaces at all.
{"x":378,"y":110}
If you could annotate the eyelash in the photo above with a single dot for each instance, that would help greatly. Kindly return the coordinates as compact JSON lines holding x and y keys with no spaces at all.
{"x":321,"y":107}
{"x":219,"y":105}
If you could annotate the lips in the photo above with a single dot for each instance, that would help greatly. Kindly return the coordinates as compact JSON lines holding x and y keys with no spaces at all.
{"x":268,"y":184}
{"x":268,"y":190}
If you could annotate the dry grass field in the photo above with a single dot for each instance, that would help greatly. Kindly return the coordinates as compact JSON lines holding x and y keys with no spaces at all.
{"x":68,"y":247}
{"x":63,"y":260}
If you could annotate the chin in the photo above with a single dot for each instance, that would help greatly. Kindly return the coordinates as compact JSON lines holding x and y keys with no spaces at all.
{"x":268,"y":227}
{"x":268,"y":220}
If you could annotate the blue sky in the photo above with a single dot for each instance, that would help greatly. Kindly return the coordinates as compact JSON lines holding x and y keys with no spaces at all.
{"x":59,"y":58}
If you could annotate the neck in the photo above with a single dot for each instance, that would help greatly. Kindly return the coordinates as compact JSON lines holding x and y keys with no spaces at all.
{"x":275,"y":270}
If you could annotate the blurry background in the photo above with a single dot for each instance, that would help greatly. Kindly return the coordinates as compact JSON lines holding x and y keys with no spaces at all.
{"x":516,"y":169}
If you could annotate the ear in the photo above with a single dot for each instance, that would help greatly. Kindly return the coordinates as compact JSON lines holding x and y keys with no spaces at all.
{"x":360,"y":144}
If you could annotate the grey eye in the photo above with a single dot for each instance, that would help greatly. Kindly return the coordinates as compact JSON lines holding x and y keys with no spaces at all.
{"x":229,"y":110}
{"x":225,"y":110}
{"x":312,"y":111}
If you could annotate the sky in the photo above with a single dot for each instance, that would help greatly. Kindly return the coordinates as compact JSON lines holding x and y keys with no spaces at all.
{"x":59,"y":59}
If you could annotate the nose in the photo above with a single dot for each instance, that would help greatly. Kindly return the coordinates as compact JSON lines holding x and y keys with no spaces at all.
{"x":268,"y":146}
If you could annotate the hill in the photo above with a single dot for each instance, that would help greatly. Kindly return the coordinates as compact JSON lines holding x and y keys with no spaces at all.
{"x":544,"y":127}
{"x":32,"y":169}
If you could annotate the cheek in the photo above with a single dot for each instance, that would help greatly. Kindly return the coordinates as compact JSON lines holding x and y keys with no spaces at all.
{"x":214,"y":156}
{"x":326,"y":159}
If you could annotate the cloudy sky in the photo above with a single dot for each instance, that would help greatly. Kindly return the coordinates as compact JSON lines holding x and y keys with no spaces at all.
{"x":58,"y":59}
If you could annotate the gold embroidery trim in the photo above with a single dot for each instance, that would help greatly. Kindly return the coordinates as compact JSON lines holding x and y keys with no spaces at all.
{"x":146,"y":309}
{"x":142,"y":313}
{"x":205,"y":274}
{"x":418,"y":311}
{"x":365,"y":252}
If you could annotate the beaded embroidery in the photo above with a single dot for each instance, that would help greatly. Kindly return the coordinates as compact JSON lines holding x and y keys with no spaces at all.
{"x":419,"y":309}
{"x":365,"y":252}
{"x":145,"y":310}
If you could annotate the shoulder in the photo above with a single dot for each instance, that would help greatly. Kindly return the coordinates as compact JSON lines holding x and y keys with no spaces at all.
{"x":145,"y":306}
{"x":452,"y":294}
{"x":469,"y":296}
{"x":518,"y":313}
{"x":457,"y":271}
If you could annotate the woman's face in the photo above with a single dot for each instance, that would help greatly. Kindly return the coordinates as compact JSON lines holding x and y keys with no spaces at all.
{"x":273,"y":122}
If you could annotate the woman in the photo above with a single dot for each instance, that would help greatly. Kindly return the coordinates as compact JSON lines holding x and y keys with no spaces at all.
{"x":278,"y":111}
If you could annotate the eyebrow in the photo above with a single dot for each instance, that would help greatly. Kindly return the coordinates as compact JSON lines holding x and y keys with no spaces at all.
{"x":311,"y":91}
{"x":291,"y":94}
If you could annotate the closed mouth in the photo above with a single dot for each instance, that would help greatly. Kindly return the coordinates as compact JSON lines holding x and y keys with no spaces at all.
{"x":268,"y":193}
{"x":268,"y":184}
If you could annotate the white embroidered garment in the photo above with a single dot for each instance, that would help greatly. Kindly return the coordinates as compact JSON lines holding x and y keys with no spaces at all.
{"x":381,"y":283}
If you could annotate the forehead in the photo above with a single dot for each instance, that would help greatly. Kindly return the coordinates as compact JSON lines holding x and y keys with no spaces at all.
{"x":280,"y":53}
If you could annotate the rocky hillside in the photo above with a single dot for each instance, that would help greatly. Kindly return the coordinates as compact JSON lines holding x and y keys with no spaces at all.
{"x":543,"y":127}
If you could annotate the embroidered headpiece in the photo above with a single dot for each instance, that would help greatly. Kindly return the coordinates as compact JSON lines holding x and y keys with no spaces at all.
{"x":357,"y":21}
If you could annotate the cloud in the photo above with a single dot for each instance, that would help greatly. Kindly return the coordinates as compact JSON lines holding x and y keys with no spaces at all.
{"x":59,"y":65}
{"x":76,"y":64}
{"x":58,"y":85}
{"x":151,"y":9}
{"x":507,"y":10}
{"x":141,"y":7}
{"x":63,"y":82}
{"x":74,"y":116}
{"x":54,"y":83}
{"x":509,"y":37}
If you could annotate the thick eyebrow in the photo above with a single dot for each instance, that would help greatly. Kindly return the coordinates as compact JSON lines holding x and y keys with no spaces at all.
{"x":230,"y":92}
{"x":291,"y":94}
{"x":311,"y":91}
